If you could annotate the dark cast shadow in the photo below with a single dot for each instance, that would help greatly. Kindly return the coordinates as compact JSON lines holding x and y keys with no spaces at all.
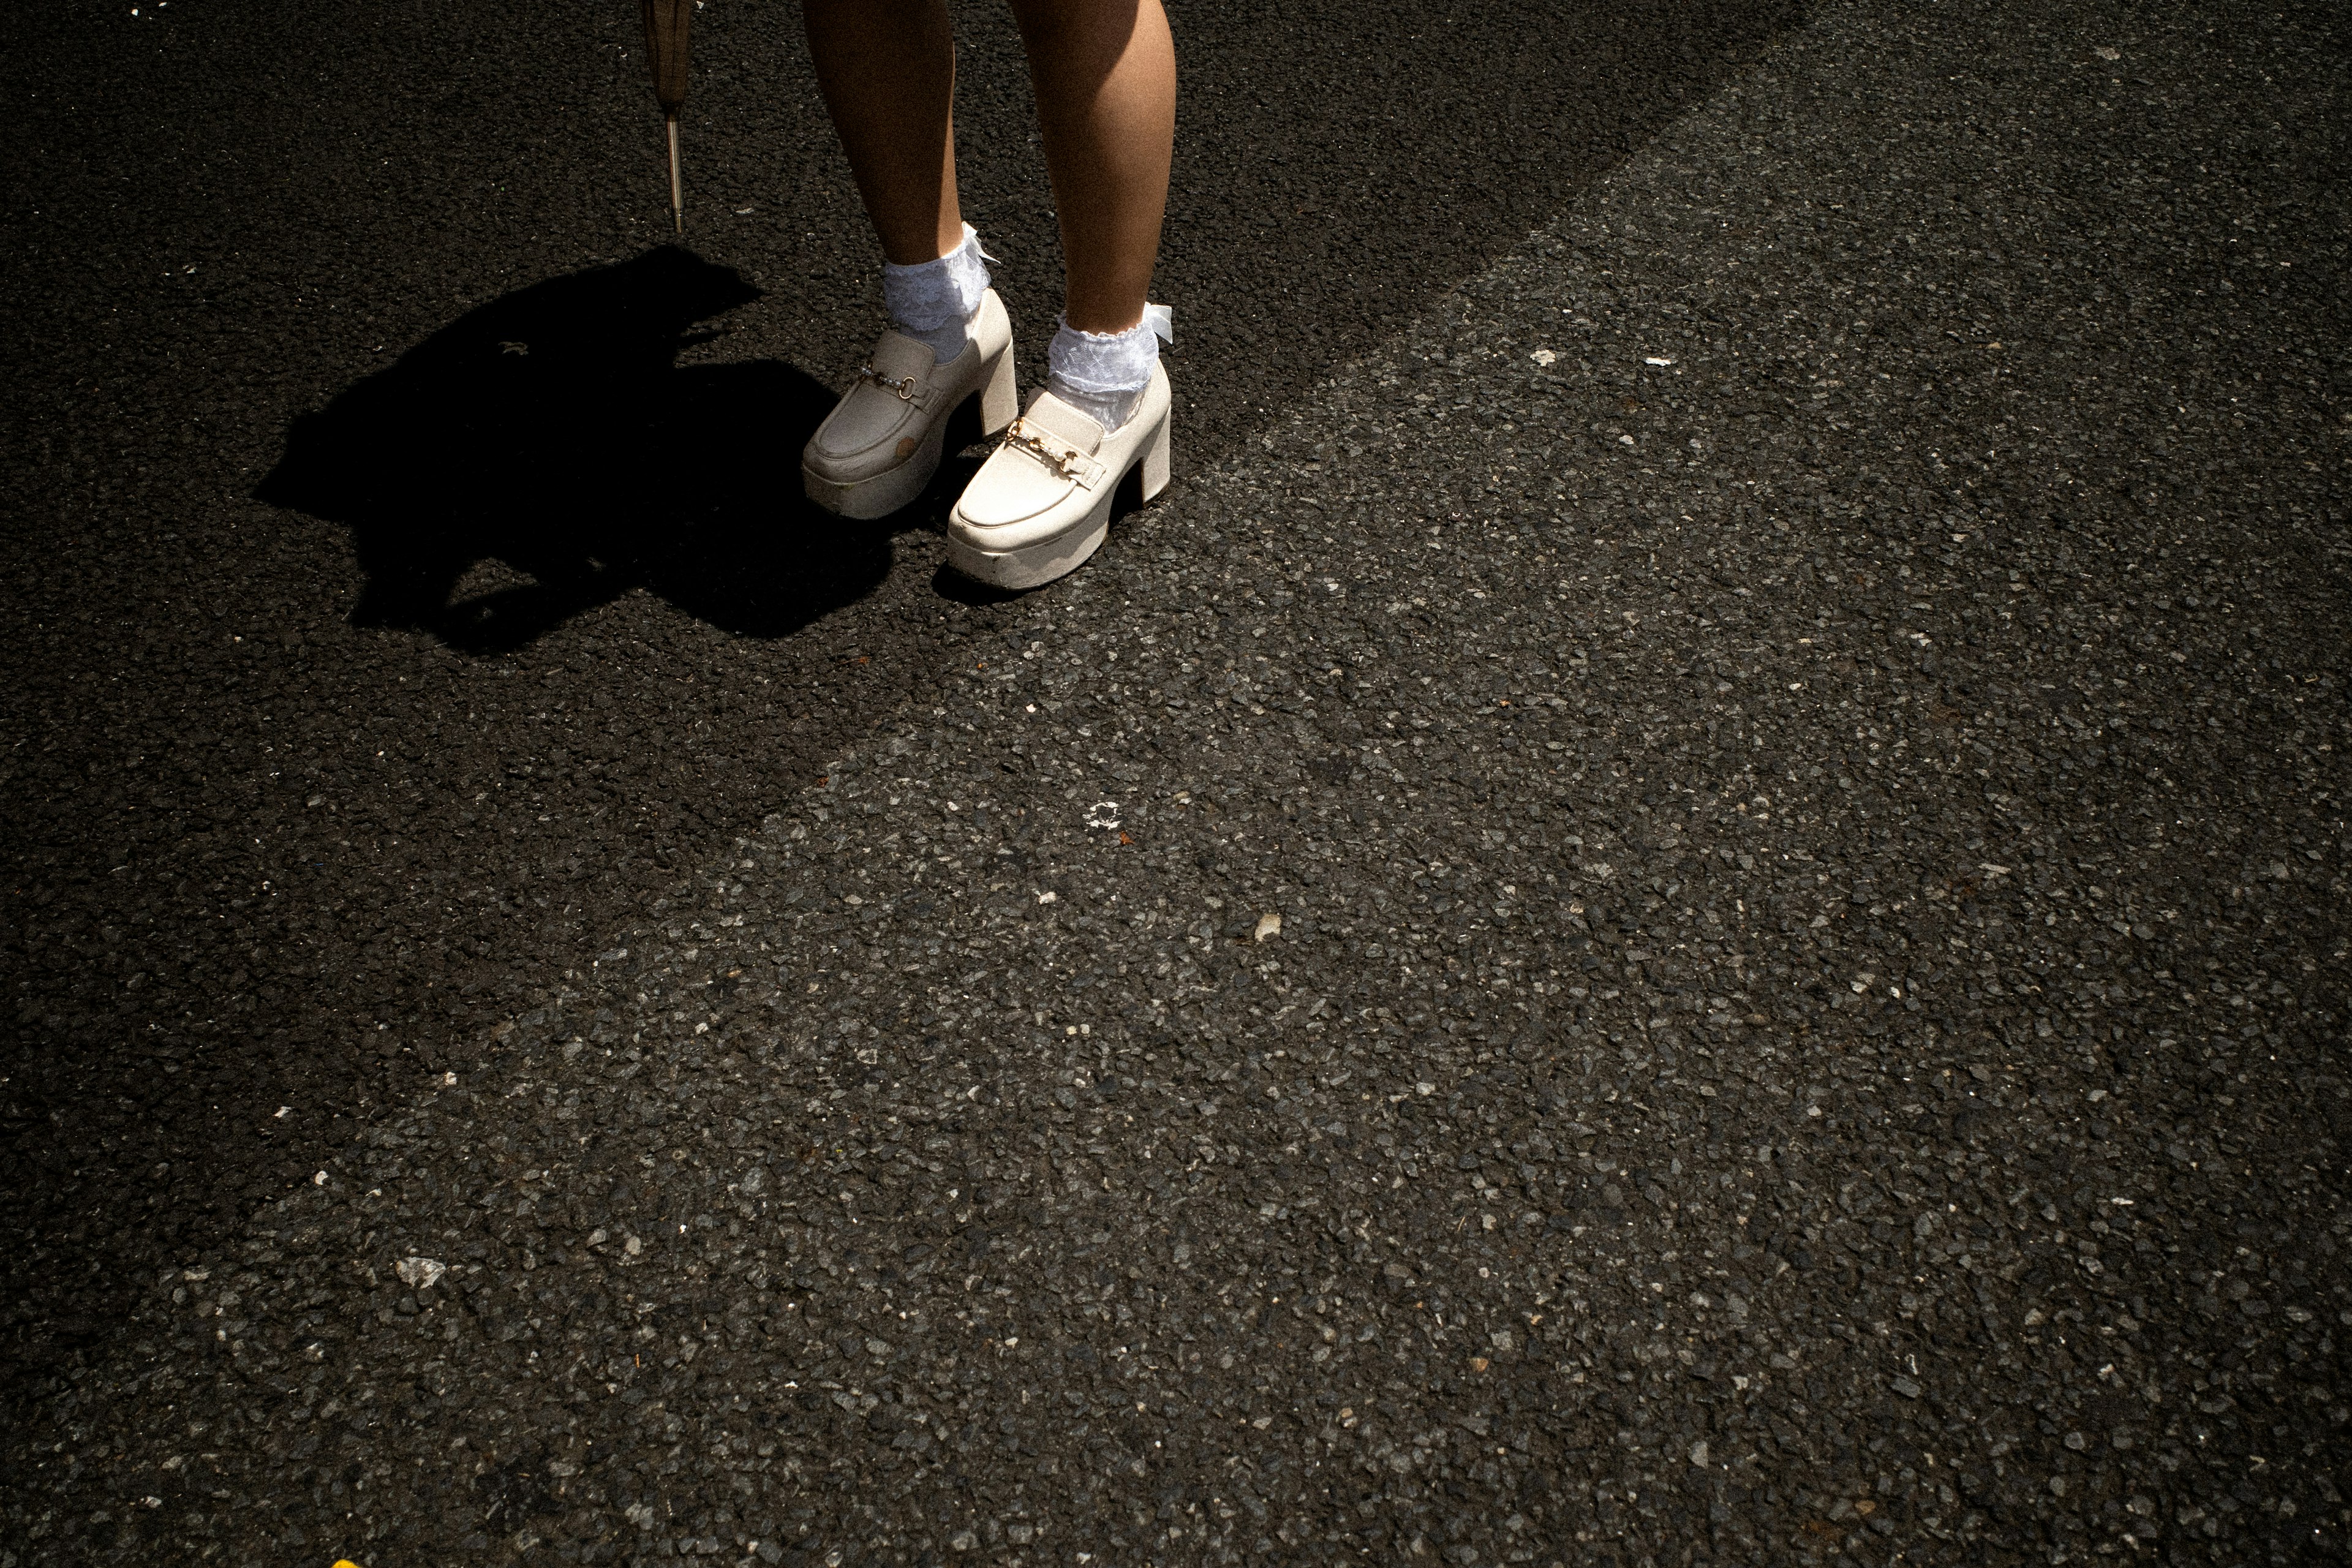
{"x":546,"y":453}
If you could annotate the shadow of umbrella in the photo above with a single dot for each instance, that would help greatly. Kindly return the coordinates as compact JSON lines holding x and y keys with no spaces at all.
{"x":545,"y":453}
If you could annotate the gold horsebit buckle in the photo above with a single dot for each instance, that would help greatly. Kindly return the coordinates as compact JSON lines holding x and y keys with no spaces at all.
{"x":904,"y":386}
{"x":1068,"y":461}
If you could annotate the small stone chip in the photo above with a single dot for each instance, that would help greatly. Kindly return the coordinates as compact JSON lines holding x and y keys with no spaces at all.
{"x":1905,"y":1387}
{"x":1269,"y":924}
{"x":420,"y":1273}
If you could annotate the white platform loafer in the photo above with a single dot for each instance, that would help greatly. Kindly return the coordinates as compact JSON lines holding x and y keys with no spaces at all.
{"x":1041,"y":504}
{"x":880,"y":445}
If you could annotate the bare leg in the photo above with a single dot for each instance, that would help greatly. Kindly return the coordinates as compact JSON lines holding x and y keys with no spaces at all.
{"x":1105,"y":75}
{"x":887,"y":71}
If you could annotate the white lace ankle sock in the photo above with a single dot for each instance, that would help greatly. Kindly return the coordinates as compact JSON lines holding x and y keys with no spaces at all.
{"x":1103,"y":374}
{"x":933,"y":302}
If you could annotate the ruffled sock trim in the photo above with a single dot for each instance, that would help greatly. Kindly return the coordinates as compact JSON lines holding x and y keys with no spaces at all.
{"x":934,"y":302}
{"x":1103,"y":374}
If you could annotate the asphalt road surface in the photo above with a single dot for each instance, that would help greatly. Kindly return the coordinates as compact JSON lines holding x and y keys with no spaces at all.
{"x":1686,"y":902}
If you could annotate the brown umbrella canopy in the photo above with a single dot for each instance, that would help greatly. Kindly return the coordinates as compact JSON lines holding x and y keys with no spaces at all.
{"x":666,"y":47}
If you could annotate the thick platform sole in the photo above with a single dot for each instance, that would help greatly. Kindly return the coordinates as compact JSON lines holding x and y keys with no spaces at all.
{"x":1035,"y":565}
{"x":886,"y":492}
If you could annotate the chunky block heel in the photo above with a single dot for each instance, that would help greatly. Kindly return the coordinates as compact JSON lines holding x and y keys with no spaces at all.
{"x":1000,"y":400}
{"x":1155,"y":459}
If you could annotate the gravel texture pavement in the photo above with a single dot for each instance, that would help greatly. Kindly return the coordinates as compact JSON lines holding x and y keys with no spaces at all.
{"x":1686,"y":903}
{"x":412,"y":583}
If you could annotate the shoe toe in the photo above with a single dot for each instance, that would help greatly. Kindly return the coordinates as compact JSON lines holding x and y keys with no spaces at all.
{"x":1009,"y":491}
{"x":866,"y":426}
{"x":872,"y":427}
